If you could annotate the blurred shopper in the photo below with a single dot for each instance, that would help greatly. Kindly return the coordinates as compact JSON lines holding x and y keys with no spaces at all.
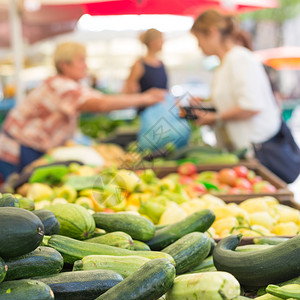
{"x":148,"y":71}
{"x":246,"y":111}
{"x":47,"y":117}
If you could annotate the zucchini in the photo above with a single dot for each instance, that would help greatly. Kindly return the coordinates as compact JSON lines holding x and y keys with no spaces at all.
{"x":252,"y":247}
{"x":3,"y":269}
{"x":198,"y":221}
{"x":140,"y":246}
{"x":150,"y":282}
{"x":212,"y":246}
{"x":117,"y":239}
{"x":285,"y":292}
{"x":25,"y":289}
{"x":259,"y":268}
{"x":9,"y":200}
{"x":269,"y":240}
{"x":21,"y":232}
{"x":81,"y":285}
{"x":205,"y":264}
{"x":124,"y":265}
{"x":50,"y":222}
{"x":26,"y":203}
{"x":41,"y":261}
{"x":206,"y":286}
{"x":73,"y":250}
{"x":138,"y":227}
{"x":189,"y":251}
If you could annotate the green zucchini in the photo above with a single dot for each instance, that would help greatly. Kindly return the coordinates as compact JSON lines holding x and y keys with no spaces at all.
{"x":252,"y":247}
{"x":25,"y":289}
{"x":212,"y":246}
{"x":138,"y":227}
{"x":50,"y":222}
{"x":269,"y":240}
{"x":21,"y":232}
{"x":3,"y":269}
{"x":206,"y":286}
{"x":150,"y":282}
{"x":140,"y":246}
{"x":285,"y":292}
{"x":73,"y":250}
{"x":124,"y":265}
{"x":117,"y":239}
{"x":262,"y":267}
{"x":9,"y":200}
{"x":26,"y":203}
{"x":189,"y":251}
{"x":198,"y":221}
{"x":41,"y":261}
{"x":81,"y":285}
{"x":205,"y":264}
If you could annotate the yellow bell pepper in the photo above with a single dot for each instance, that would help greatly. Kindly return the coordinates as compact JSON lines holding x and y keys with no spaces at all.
{"x":67,"y":192}
{"x":225,"y":224}
{"x":286,"y":229}
{"x":212,"y":201}
{"x":135,"y":198}
{"x":193,"y":205}
{"x":262,"y":218}
{"x":254,"y":205}
{"x":173,"y":213}
{"x":39,"y":191}
{"x":287,"y":214}
{"x":127,"y":179}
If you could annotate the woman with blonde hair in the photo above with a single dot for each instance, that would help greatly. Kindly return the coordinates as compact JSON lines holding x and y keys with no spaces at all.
{"x":148,"y":71}
{"x":242,"y":95}
{"x":47,"y":117}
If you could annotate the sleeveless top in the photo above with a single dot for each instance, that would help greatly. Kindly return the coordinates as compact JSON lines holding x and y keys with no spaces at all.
{"x":153,"y":77}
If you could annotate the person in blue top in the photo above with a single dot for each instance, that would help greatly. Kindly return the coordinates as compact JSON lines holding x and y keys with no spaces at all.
{"x":148,"y":71}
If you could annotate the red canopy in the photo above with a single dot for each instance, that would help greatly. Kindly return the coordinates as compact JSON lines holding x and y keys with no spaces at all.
{"x":281,"y":58}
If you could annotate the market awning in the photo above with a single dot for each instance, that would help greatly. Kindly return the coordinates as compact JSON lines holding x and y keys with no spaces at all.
{"x":281,"y":58}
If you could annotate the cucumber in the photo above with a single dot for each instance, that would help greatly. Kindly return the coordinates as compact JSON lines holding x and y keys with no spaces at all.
{"x":150,"y":282}
{"x":206,"y":286}
{"x":9,"y":200}
{"x":26,"y":203}
{"x":3,"y":269}
{"x":21,"y":232}
{"x":41,"y":261}
{"x":138,"y":227}
{"x":189,"y":251}
{"x":205,"y":264}
{"x":81,"y":285}
{"x":50,"y":222}
{"x":124,"y":265}
{"x":198,"y":221}
{"x":212,"y":246}
{"x":73,"y":250}
{"x":117,"y":239}
{"x":262,"y":267}
{"x":25,"y":289}
{"x":285,"y":292}
{"x":252,"y":247}
{"x":140,"y":246}
{"x":269,"y":240}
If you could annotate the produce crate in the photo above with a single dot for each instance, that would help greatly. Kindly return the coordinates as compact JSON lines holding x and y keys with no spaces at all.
{"x":283,"y":194}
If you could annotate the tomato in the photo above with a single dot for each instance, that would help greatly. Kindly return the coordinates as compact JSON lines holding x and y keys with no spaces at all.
{"x":264,"y":187}
{"x":227,"y":176}
{"x":243,"y":183}
{"x":234,"y":191}
{"x":108,"y":210}
{"x":241,"y":171}
{"x":195,"y":189}
{"x":187,"y":168}
{"x":185,"y":180}
{"x":256,"y":179}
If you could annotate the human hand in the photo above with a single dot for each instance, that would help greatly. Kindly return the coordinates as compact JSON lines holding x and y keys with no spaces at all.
{"x":153,"y":96}
{"x":205,"y":117}
{"x":195,"y":101}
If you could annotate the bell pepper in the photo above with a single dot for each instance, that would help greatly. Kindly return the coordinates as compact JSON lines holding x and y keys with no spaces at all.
{"x":178,"y":198}
{"x":39,"y":191}
{"x":67,"y":192}
{"x":286,"y":229}
{"x":147,"y":175}
{"x":153,"y":209}
{"x":173,"y":213}
{"x":127,"y":180}
{"x":193,"y":205}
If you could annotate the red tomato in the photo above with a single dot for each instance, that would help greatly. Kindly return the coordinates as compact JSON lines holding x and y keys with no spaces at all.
{"x":264,"y":187}
{"x":196,"y":189}
{"x":227,"y":176}
{"x":243,"y":183}
{"x":241,"y":171}
{"x":255,"y":180}
{"x":234,"y":191}
{"x":185,"y":180}
{"x":187,"y":168}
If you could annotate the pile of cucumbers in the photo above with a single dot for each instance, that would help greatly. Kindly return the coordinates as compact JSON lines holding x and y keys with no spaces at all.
{"x":64,"y":252}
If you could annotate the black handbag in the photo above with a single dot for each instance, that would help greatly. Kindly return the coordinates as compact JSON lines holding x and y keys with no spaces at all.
{"x":280,"y":154}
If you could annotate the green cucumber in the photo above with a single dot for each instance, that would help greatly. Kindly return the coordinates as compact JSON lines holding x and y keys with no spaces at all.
{"x":9,"y":200}
{"x":41,"y":261}
{"x":73,"y":250}
{"x":189,"y":251}
{"x":138,"y":227}
{"x":81,"y":285}
{"x":50,"y":222}
{"x":140,"y":246}
{"x":285,"y":292}
{"x":208,"y":286}
{"x":262,"y":267}
{"x":150,"y":282}
{"x":206,"y":263}
{"x":198,"y":221}
{"x":124,"y":265}
{"x":25,"y":289}
{"x":252,"y":247}
{"x":117,"y":239}
{"x":21,"y":232}
{"x":26,"y":203}
{"x":3,"y":269}
{"x":269,"y":240}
